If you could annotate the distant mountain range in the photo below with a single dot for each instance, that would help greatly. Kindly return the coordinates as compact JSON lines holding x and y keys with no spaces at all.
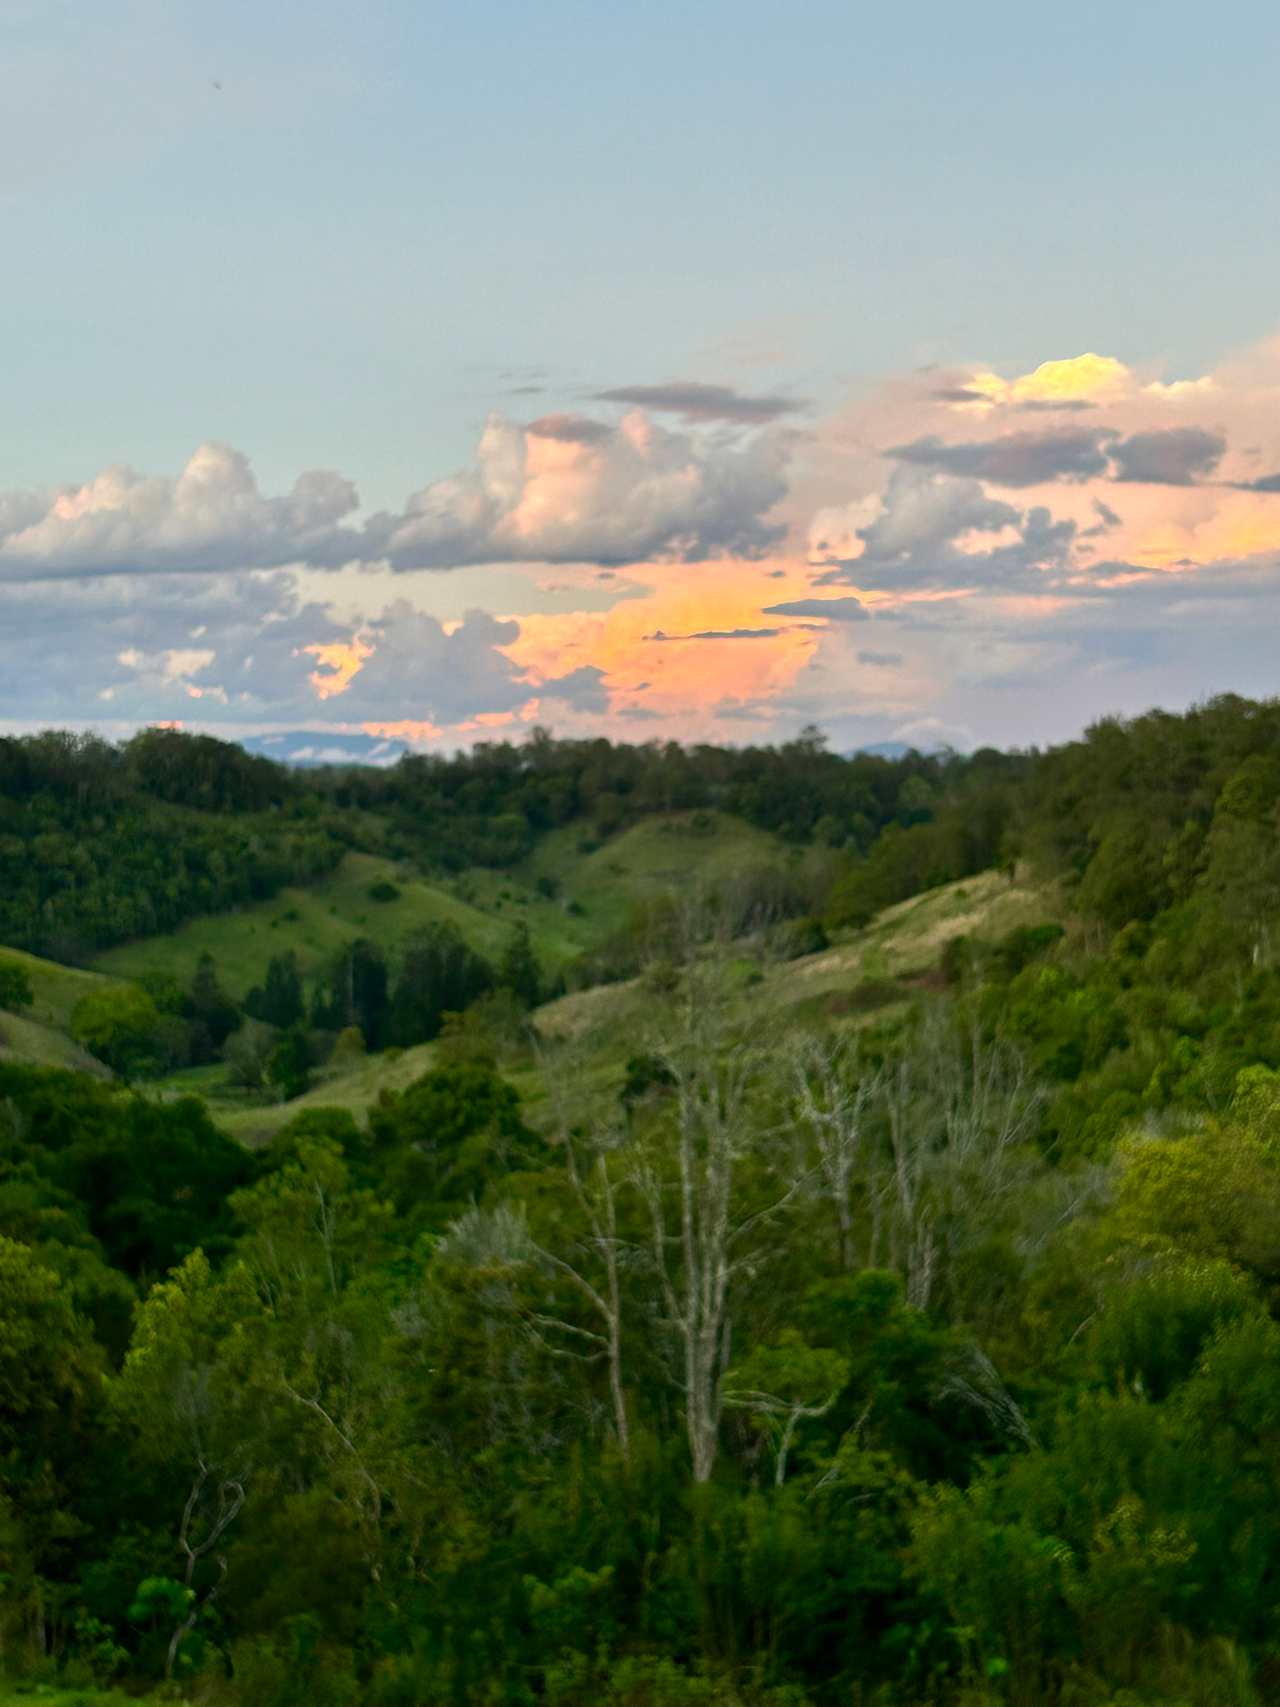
{"x":309,"y":749}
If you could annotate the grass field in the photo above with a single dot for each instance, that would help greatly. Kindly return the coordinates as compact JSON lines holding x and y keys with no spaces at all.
{"x":680,"y":852}
{"x":654,"y":857}
{"x":317,"y":921}
{"x":864,"y":975}
{"x":41,"y":1033}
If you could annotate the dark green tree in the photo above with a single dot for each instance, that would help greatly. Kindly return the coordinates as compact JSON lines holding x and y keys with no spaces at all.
{"x":519,"y":971}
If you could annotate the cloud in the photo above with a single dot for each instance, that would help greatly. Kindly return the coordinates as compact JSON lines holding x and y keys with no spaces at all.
{"x":1170,"y":456}
{"x":882,"y":660}
{"x":562,"y":489}
{"x":1014,"y":459}
{"x":835,"y":610}
{"x":720,"y":634}
{"x":695,"y":401}
{"x":637,"y":493}
{"x":147,"y":647}
{"x":570,"y":429}
{"x":965,"y":395}
{"x":245,"y":650}
{"x":1079,"y":379}
{"x":936,"y":531}
{"x":211,"y":517}
{"x":1175,"y":456}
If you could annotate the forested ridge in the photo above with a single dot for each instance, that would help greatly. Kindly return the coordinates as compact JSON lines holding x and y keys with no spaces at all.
{"x":695,"y":1339}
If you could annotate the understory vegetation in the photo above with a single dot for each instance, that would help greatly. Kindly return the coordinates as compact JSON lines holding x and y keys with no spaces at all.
{"x":845,"y":1273}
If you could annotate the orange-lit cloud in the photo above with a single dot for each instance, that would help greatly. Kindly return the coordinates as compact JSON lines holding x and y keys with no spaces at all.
{"x":340,"y":663}
{"x":681,"y":677}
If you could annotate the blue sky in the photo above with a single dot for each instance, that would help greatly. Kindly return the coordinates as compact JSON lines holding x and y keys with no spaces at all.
{"x":390,"y":221}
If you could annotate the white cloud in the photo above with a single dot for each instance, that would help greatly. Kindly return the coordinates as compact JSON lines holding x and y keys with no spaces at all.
{"x":560,"y":490}
{"x":210,"y":517}
{"x":568,"y":490}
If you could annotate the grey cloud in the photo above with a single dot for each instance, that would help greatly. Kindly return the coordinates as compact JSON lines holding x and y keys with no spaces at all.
{"x":883,"y":660}
{"x":1014,"y":459}
{"x":1267,"y":483}
{"x":159,"y":646}
{"x":1053,"y":406}
{"x":238,"y":649}
{"x":583,"y":689}
{"x":720,"y":634}
{"x":930,"y":534}
{"x":835,"y":610}
{"x":1030,"y":406}
{"x":1174,"y":456}
{"x":571,"y":429}
{"x":695,"y":401}
{"x":417,"y":671}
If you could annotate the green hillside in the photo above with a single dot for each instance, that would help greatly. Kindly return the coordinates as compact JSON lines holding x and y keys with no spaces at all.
{"x":864,"y":975}
{"x":41,"y":1033}
{"x":594,"y":894}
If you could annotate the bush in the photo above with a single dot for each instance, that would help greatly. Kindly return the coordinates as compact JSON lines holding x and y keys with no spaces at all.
{"x":15,"y":984}
{"x":795,"y":938}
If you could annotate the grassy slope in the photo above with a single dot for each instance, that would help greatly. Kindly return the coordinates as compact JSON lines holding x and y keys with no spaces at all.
{"x":315,"y":922}
{"x":602,"y":1027}
{"x":655,"y":856}
{"x":41,"y":1033}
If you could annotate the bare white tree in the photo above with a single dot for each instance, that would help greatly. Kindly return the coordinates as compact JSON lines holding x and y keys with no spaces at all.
{"x":960,"y":1110}
{"x":710,"y":1190}
{"x":836,"y":1102}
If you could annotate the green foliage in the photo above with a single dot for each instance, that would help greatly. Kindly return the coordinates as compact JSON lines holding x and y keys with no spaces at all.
{"x":121,"y":1025}
{"x":280,"y":1001}
{"x":912,"y":1341}
{"x":15,"y":985}
{"x":288,"y":1066}
{"x":519,"y":971}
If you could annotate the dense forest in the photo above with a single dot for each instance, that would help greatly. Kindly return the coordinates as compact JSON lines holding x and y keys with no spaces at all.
{"x":920,"y":1352}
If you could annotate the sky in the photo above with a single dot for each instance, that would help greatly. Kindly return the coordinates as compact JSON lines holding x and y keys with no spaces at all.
{"x":695,"y":371}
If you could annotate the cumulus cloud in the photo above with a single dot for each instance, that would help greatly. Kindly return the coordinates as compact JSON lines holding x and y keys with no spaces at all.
{"x":210,"y":517}
{"x":621,"y":495}
{"x":1077,"y":379}
{"x":245,"y":650}
{"x":694,"y":401}
{"x":159,"y":646}
{"x":561,"y":489}
{"x":936,"y":531}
